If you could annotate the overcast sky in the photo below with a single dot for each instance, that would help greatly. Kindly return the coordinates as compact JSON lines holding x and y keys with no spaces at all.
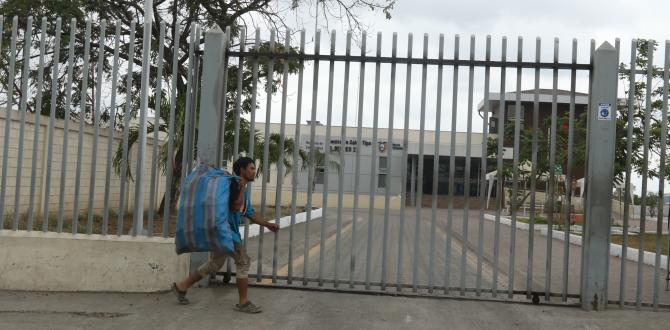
{"x":584,"y":20}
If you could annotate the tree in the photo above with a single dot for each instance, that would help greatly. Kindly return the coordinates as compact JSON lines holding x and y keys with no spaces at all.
{"x":639,"y":162}
{"x":651,"y":202}
{"x":319,"y":165}
{"x":542,"y":172}
{"x":176,"y":14}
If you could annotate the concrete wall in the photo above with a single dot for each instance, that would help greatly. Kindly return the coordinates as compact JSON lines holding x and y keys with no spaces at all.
{"x":53,"y":195}
{"x":38,"y":261}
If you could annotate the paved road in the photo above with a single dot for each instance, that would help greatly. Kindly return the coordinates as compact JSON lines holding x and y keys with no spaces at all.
{"x":461,"y":272}
{"x":354,"y":239}
{"x":211,"y":308}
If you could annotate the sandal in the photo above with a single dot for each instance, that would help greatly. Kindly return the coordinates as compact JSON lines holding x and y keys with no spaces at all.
{"x":181,"y":295}
{"x":249,"y":308}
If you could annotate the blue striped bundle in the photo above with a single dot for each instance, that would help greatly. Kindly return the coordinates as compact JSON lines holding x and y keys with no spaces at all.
{"x":202,"y":223}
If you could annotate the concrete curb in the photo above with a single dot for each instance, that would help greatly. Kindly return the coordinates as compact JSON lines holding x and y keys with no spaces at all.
{"x":616,"y":250}
{"x":36,"y":261}
{"x":286,"y":221}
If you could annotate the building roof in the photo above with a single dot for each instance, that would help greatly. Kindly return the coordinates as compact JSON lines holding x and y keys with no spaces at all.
{"x":544,"y":96}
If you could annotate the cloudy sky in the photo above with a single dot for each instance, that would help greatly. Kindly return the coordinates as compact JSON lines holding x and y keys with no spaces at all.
{"x":583,"y":21}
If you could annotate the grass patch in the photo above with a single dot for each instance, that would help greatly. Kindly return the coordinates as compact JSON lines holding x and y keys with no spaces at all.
{"x":113,"y":222}
{"x":649,"y":242}
{"x":285,"y":210}
{"x":539,"y":220}
{"x":97,"y":223}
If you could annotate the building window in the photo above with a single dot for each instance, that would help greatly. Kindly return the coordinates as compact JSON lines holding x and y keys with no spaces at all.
{"x":319,"y":176}
{"x":381,"y":181}
{"x":383,"y":163}
{"x":335,"y":149}
{"x":511,"y":113}
{"x":269,"y":176}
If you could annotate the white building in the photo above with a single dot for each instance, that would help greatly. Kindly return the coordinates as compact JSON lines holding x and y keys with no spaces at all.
{"x":390,"y":163}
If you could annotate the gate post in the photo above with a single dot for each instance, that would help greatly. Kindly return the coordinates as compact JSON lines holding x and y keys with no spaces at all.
{"x":599,"y":179}
{"x":211,"y":98}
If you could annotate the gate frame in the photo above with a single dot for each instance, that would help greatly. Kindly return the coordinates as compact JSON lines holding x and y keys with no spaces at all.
{"x":599,"y":180}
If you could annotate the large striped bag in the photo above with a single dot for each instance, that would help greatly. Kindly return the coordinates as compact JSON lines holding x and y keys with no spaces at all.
{"x":202,"y":223}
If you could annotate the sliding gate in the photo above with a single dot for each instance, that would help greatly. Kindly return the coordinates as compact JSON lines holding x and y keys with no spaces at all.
{"x":357,"y":125}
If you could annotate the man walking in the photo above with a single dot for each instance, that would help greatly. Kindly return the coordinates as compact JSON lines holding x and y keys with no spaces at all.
{"x":240,"y":205}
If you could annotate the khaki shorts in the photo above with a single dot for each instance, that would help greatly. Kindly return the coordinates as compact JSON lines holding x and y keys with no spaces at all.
{"x":217,"y":259}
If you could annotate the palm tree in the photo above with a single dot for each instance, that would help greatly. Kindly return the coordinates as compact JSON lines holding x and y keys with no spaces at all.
{"x":319,"y":163}
{"x":178,"y":139}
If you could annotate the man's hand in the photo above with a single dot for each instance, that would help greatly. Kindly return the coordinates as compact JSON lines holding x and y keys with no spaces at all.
{"x":273,"y":227}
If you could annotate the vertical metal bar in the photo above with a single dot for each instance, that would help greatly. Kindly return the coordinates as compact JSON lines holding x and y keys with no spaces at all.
{"x":373,"y":166}
{"x":82,"y":116}
{"x":190,"y":81}
{"x":452,"y":169}
{"x":629,"y":152}
{"x":389,"y":162}
{"x":126,"y":127}
{"x":66,"y":126}
{"x":422,"y":126}
{"x":96,"y":109}
{"x":111,"y":129}
{"x":483,"y":197}
{"x":224,"y":103}
{"x":359,"y":132}
{"x":500,"y":182}
{"x":238,"y":96}
{"x":52,"y":123}
{"x":585,"y":225}
{"x":38,"y":115}
{"x":280,"y":163}
{"x":312,"y":154}
{"x":645,"y":171}
{"x":8,"y":119}
{"x":296,"y":158}
{"x":405,"y":143}
{"x":617,"y":47}
{"x":252,"y":129}
{"x":187,"y":99}
{"x":266,"y":152}
{"x":468,"y":163}
{"x":193,"y":101}
{"x":412,"y":182}
{"x":170,"y":137}
{"x":515,"y":180}
{"x":222,"y":123}
{"x":552,"y":176}
{"x":533,"y":170}
{"x":343,"y":136}
{"x":568,"y":181}
{"x":326,"y":163}
{"x":157,"y":124}
{"x":436,"y":167}
{"x":22,"y":113}
{"x":661,"y":178}
{"x":4,"y":173}
{"x":138,"y":215}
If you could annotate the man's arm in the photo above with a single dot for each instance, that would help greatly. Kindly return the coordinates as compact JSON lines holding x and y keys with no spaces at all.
{"x":262,"y":222}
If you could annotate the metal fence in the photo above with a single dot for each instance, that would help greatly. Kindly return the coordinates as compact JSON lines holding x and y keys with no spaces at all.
{"x":543,"y":133}
{"x":557,"y":263}
{"x":72,"y":86}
